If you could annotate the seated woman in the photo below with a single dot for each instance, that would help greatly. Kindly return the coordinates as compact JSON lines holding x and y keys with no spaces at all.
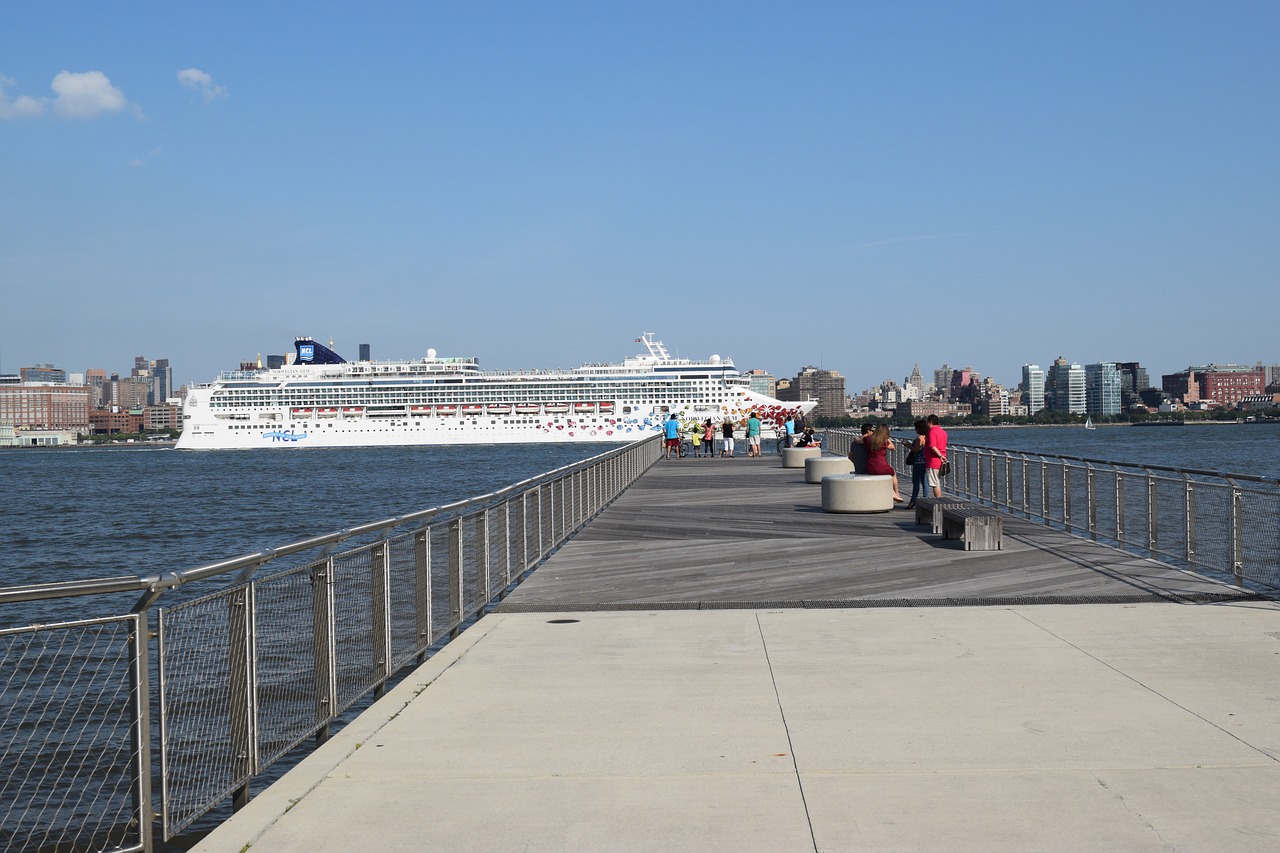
{"x":807,"y":439}
{"x":877,"y":445}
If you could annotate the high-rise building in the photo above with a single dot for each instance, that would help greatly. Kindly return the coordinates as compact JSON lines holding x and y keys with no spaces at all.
{"x":1133,"y":381}
{"x":161,"y":381}
{"x":942,"y":379}
{"x":364,"y":352}
{"x":1067,"y":380}
{"x":827,"y":386}
{"x":1032,"y":388}
{"x":1102,"y":388}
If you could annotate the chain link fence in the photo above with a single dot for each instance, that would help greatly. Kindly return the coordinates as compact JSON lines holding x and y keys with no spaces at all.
{"x":244,"y":675}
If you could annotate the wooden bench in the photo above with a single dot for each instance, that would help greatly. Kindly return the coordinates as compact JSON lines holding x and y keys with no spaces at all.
{"x":981,"y":529}
{"x":929,"y":510}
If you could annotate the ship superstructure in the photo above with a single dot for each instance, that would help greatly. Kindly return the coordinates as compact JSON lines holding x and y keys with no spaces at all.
{"x":321,"y":400}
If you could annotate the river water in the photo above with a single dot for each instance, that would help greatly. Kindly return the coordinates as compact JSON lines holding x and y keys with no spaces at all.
{"x":77,"y":513}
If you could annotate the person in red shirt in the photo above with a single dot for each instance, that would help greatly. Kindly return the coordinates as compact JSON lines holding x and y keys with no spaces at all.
{"x":935,"y":453}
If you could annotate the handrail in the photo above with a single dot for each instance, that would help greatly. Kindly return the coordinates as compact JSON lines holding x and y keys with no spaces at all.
{"x":1270,"y":481}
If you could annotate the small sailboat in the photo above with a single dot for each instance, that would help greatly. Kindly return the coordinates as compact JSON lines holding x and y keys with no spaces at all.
{"x":1088,"y":422}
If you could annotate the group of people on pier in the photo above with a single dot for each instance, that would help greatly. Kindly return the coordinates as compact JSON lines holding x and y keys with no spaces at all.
{"x":926,"y":456}
{"x":702,"y":435}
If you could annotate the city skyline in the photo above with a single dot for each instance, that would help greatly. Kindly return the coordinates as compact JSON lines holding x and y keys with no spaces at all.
{"x":849,"y":185}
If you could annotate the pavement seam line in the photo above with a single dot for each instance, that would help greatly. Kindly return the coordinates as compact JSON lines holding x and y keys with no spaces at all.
{"x":1148,"y":688}
{"x":764,"y":645}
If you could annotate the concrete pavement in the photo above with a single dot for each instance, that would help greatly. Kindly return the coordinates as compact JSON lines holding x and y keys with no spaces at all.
{"x":1085,"y":727}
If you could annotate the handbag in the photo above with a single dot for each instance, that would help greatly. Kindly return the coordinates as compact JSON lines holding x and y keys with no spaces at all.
{"x":911,"y":456}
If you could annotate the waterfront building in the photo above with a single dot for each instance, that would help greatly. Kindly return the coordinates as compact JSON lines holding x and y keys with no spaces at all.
{"x":96,"y":378}
{"x":918,"y":409}
{"x":826,"y":386}
{"x":1032,"y":387}
{"x":45,"y":406}
{"x":128,"y":392}
{"x":162,"y":416}
{"x":1068,"y":387}
{"x":108,"y":421}
{"x":1223,"y":384}
{"x":1102,"y":388}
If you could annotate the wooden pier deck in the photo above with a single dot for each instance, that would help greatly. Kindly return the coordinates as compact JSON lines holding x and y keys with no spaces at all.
{"x":721,"y":533}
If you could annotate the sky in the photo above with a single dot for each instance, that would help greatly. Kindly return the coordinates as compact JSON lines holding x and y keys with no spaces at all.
{"x":850,"y":185}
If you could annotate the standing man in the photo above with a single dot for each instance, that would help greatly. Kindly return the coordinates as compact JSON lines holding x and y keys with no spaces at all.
{"x":753,"y":436}
{"x":935,"y":452}
{"x":672,"y":427}
{"x":790,"y":426}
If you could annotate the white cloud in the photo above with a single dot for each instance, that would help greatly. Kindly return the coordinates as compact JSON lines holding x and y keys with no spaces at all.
{"x":86,"y":94}
{"x":202,"y":82}
{"x":21,"y":107}
{"x":77,"y":94}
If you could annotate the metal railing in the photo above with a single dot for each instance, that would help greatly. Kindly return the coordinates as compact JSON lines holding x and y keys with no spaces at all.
{"x":242,"y":675}
{"x":1210,"y":522}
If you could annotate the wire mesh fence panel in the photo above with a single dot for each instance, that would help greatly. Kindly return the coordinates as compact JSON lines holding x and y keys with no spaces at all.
{"x":519,"y":536}
{"x":499,"y":568}
{"x":546,"y":501}
{"x":475,"y":553}
{"x":1167,"y":521}
{"x":444,"y":614}
{"x":67,"y":740}
{"x":200,"y":762}
{"x":1260,"y":535}
{"x":355,"y":657}
{"x":1212,"y":534}
{"x":403,"y":556}
{"x":288,"y":707}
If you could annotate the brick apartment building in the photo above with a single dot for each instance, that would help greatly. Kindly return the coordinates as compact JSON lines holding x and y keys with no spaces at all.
{"x":38,"y":406}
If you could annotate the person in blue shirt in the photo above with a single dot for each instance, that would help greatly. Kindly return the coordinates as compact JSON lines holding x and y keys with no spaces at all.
{"x":672,"y":428}
{"x":790,"y":426}
{"x":753,"y":436}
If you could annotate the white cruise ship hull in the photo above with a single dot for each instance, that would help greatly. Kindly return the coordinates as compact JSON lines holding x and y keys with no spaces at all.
{"x":323,"y":401}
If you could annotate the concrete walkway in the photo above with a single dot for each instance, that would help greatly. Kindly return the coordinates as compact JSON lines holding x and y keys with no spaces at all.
{"x":1103,"y":727}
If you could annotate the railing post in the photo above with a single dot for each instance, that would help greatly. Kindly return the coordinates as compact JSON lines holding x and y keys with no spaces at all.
{"x":484,"y":579}
{"x":456,"y":605}
{"x":1120,"y":519}
{"x":243,"y":705}
{"x":1026,"y":487}
{"x":380,"y":613}
{"x":140,"y":727}
{"x":1044,"y":490}
{"x":322,"y":643}
{"x":1153,"y":531}
{"x":1237,"y":533}
{"x":422,"y":588}
{"x":1091,"y":500}
{"x":1189,"y":503}
{"x":1066,"y":496}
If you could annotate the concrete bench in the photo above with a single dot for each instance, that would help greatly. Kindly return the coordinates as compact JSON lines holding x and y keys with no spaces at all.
{"x":929,"y":510}
{"x":794,"y":457}
{"x":857,"y":493}
{"x":817,"y":467}
{"x":981,"y":529}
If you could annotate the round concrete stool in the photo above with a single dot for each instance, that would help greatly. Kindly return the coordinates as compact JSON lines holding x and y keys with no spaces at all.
{"x":817,"y":467}
{"x":793,"y":457}
{"x":857,"y":493}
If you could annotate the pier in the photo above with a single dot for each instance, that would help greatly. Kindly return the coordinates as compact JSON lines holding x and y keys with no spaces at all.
{"x":713,"y":663}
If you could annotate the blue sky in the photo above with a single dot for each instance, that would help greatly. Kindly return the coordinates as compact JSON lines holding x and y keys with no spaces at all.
{"x":860,"y":186}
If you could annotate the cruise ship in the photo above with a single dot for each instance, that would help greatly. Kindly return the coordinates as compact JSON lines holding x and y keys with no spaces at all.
{"x":322,"y":400}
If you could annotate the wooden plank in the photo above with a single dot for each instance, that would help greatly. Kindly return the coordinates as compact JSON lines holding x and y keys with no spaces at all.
{"x":737,"y":532}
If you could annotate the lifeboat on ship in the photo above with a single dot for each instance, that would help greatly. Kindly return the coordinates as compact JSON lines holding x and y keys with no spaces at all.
{"x":584,"y":408}
{"x":331,"y":412}
{"x":498,"y":408}
{"x":352,"y":411}
{"x":422,"y":411}
{"x":556,"y":408}
{"x":527,"y":408}
{"x":606,"y":408}
{"x":301,"y":413}
{"x":472,"y":409}
{"x":446,"y":411}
